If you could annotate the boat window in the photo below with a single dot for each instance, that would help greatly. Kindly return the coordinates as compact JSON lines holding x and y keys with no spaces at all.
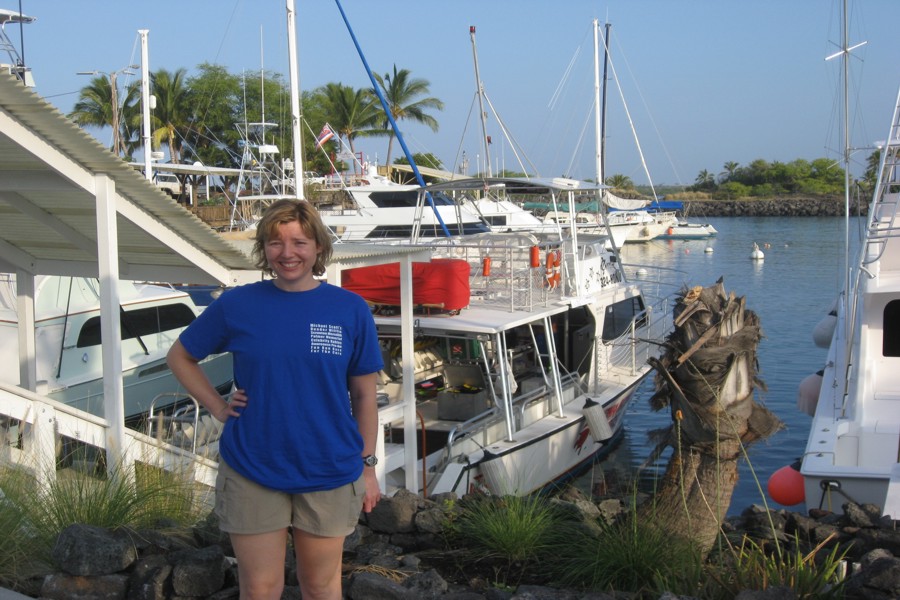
{"x":394,"y":199}
{"x":140,"y":322}
{"x":890,"y":345}
{"x":390,"y":231}
{"x":620,"y":315}
{"x":495,"y":220}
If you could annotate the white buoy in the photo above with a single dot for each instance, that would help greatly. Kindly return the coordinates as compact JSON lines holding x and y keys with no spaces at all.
{"x":824,"y":329}
{"x":708,"y":249}
{"x":597,"y":421}
{"x":808,"y":393}
{"x":757,"y":254}
{"x":642,"y":272}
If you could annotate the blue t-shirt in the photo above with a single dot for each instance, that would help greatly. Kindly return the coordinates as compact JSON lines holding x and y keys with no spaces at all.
{"x":293,"y":354}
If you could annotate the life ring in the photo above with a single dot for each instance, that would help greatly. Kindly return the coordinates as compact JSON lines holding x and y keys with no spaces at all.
{"x":552,"y":276}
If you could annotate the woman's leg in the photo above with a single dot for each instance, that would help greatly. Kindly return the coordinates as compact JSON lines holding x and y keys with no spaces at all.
{"x":318,"y":565}
{"x":261,"y":560}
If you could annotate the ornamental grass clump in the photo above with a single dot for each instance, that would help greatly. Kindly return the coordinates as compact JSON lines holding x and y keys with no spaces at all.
{"x":142,"y":497}
{"x":15,"y":531}
{"x":811,"y":576}
{"x":625,"y":555}
{"x":508,"y":534}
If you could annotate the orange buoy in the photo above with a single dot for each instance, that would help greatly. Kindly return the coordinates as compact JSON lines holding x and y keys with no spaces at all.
{"x":786,"y":485}
{"x":670,"y":230}
{"x":486,"y":266}
{"x":535,"y":257}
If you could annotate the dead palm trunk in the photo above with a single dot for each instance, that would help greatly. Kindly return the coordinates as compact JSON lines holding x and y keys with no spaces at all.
{"x":707,"y":378}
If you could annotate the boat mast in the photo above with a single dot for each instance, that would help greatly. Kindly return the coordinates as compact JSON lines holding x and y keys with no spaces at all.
{"x":600,"y":102}
{"x":145,"y":104}
{"x":844,"y":53}
{"x":479,"y":87}
{"x":845,"y":42}
{"x":295,"y":101}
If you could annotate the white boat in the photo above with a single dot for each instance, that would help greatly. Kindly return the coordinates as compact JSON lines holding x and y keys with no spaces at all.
{"x":685,"y":230}
{"x":642,"y":225}
{"x":499,"y":408}
{"x":67,"y":340}
{"x":854,"y":440}
{"x":379,"y":209}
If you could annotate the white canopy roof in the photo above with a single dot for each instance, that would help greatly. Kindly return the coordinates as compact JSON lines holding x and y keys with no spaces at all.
{"x":55,"y":180}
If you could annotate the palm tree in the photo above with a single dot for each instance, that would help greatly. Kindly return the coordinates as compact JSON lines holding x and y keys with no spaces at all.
{"x":705,"y":180}
{"x":730,"y":168}
{"x":171,"y":117}
{"x":400,"y":92}
{"x":349,"y":112}
{"x":99,"y":106}
{"x":619,"y":181}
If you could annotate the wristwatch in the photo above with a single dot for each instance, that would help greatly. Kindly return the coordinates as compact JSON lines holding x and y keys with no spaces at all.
{"x":370,"y":460}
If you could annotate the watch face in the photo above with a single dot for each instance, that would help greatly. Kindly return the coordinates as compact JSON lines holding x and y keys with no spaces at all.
{"x":371,"y":460}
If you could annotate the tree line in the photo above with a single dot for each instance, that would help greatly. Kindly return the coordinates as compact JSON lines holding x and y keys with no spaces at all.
{"x":760,"y":178}
{"x":204,"y":117}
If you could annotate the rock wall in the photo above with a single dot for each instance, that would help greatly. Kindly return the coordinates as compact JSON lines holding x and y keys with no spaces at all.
{"x":790,"y":206}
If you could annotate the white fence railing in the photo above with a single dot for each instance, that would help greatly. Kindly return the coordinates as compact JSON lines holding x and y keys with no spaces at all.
{"x":36,"y":432}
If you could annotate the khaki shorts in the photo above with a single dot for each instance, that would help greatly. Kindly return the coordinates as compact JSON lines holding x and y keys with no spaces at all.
{"x":245,"y":507}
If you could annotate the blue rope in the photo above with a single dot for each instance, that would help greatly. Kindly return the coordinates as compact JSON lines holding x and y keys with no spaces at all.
{"x":387,"y":111}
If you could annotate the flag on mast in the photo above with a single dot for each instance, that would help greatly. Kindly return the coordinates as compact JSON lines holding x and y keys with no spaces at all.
{"x":325,"y":135}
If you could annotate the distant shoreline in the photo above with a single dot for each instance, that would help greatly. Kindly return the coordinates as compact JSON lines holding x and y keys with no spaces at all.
{"x":770,"y":207}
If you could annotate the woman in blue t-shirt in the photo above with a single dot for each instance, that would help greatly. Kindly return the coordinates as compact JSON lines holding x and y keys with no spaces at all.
{"x":297,"y":449}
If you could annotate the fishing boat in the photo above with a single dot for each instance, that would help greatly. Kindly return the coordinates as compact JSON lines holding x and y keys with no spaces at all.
{"x":527,"y":351}
{"x":852,"y":451}
{"x":69,"y":360}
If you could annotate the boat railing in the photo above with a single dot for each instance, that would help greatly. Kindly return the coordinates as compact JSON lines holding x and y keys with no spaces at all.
{"x":883,"y":224}
{"x":627,"y":354}
{"x":512,"y":271}
{"x":478,"y":424}
{"x":525,"y":401}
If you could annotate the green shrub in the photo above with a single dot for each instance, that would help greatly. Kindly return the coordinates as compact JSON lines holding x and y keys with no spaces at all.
{"x":510,"y":533}
{"x":625,"y":555}
{"x":37,"y":512}
{"x":751,"y":567}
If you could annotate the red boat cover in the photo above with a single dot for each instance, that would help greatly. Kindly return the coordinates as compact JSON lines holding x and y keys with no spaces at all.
{"x":443,"y":283}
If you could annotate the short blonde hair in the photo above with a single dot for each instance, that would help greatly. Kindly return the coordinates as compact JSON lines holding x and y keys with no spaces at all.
{"x":288,"y":211}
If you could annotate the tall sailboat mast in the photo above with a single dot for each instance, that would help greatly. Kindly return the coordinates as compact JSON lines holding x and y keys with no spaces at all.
{"x":485,"y":144}
{"x":295,"y":100}
{"x":600,"y":100}
{"x":844,"y":53}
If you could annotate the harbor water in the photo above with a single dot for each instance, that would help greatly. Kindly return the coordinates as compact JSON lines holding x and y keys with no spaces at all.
{"x":791,"y":290}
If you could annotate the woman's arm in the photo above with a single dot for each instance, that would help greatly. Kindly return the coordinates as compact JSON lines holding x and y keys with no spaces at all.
{"x":365,"y":411}
{"x":187,"y":370}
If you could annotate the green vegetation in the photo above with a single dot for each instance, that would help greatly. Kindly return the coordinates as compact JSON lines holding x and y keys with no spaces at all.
{"x":762,"y":179}
{"x":195,"y":115}
{"x":505,"y":536}
{"x":506,"y":541}
{"x":513,"y":540}
{"x":33,"y":513}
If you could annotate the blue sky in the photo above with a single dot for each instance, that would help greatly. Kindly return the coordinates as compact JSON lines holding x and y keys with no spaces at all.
{"x":704,"y":81}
